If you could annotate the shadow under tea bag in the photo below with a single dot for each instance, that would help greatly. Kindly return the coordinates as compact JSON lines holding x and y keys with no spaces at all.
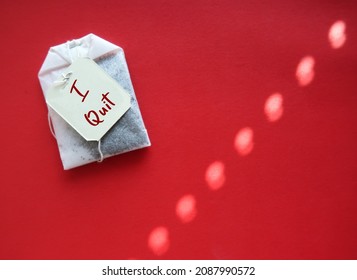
{"x":92,"y":104}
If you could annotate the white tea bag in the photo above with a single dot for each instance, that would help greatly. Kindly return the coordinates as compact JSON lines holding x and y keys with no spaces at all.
{"x":60,"y":71}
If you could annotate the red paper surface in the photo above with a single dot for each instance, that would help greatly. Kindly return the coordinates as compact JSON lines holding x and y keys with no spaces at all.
{"x":229,"y":175}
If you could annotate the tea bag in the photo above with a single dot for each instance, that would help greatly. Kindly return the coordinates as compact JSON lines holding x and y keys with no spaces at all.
{"x":127,"y":134}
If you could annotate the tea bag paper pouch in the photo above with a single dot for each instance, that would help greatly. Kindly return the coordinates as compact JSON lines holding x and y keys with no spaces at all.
{"x":85,"y":142}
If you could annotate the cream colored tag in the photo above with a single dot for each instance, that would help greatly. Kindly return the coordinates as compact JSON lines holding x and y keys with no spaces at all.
{"x":88,"y":99}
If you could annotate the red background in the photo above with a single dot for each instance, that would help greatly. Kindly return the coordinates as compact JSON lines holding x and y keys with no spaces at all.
{"x":202,"y":70}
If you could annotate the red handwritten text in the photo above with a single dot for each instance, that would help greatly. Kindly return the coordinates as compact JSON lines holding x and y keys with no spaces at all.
{"x":77,"y":90}
{"x":93,"y":117}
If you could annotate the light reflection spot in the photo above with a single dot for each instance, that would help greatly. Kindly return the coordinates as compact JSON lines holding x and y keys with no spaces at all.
{"x":273,"y":107}
{"x":186,"y":208}
{"x":158,"y":241}
{"x":243,"y":141}
{"x":337,"y":34}
{"x":215,"y":176}
{"x":305,"y":71}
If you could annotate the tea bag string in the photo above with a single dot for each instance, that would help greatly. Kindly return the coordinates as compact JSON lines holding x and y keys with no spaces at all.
{"x":54,"y":135}
{"x":64,"y":80}
{"x":50,"y":125}
{"x":100,"y":151}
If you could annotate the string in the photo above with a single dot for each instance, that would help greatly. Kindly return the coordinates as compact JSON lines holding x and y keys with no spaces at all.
{"x":100,"y":151}
{"x":54,"y":135}
{"x":65,"y":79}
{"x":50,"y":125}
{"x":57,"y":83}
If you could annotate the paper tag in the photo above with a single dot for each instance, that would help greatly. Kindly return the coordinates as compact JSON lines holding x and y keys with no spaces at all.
{"x":88,"y":99}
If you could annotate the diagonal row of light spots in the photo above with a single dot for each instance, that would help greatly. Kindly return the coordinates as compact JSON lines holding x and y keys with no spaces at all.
{"x":243,"y":143}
